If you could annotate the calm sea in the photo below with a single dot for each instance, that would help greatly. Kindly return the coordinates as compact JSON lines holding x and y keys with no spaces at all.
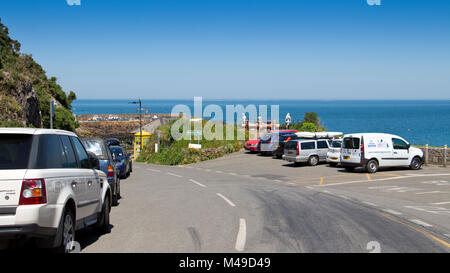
{"x":420,"y":122}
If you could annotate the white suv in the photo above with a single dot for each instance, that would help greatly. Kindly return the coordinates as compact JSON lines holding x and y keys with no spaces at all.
{"x":49,"y":188}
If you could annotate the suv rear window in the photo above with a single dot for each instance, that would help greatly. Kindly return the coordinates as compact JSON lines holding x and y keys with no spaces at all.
{"x":14,"y":151}
{"x":50,"y":153}
{"x":351,"y":143}
{"x":291,"y":145}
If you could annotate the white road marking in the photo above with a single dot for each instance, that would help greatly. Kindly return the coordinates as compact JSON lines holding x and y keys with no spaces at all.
{"x":448,"y":235}
{"x":241,"y":237}
{"x":393,"y":212}
{"x":232,"y":173}
{"x":370,"y":204}
{"x":208,"y":170}
{"x":432,"y":192}
{"x":219,"y":172}
{"x":344,"y":197}
{"x":442,"y":203}
{"x":176,"y":175}
{"x":383,"y":179}
{"x":419,"y":222}
{"x":226,"y":200}
{"x":198,"y":183}
{"x":292,"y":184}
{"x":431,"y":209}
{"x":153,"y":170}
{"x":277,"y":180}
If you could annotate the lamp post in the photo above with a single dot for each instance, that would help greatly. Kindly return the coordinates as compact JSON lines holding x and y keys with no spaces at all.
{"x":140,"y":120}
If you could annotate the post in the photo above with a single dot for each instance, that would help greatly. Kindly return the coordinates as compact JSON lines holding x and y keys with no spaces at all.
{"x":140,"y":123}
{"x":445,"y":155}
{"x":52,"y":112}
{"x":426,"y":155}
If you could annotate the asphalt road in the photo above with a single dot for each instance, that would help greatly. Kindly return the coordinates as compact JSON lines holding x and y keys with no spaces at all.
{"x":247,"y":203}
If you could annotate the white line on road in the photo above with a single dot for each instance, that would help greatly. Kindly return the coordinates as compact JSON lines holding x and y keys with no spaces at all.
{"x":226,"y":200}
{"x":176,"y":175}
{"x":219,"y":172}
{"x":442,"y":203}
{"x":393,"y":212}
{"x":431,"y":192}
{"x":383,"y":179}
{"x":370,"y":204}
{"x":232,"y":173}
{"x":448,"y":235}
{"x":344,"y":197}
{"x":153,"y":170}
{"x":419,"y":222}
{"x":241,"y":237}
{"x":292,"y":184}
{"x":198,"y":183}
{"x":277,"y":180}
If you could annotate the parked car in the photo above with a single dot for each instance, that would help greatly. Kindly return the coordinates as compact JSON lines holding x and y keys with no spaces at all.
{"x":284,"y":138}
{"x":123,"y":161}
{"x":375,"y":150}
{"x":252,"y":145}
{"x":100,"y":148}
{"x":334,"y":152}
{"x":269,"y":141}
{"x":49,"y":188}
{"x":311,"y":151}
{"x":112,"y":142}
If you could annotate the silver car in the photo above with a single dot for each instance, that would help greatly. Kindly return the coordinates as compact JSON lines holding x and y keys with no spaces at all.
{"x":311,"y":151}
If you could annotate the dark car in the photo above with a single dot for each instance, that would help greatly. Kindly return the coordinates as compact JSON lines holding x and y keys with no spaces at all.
{"x":279,"y":151}
{"x":112,"y":142}
{"x":269,"y":141}
{"x":123,"y":161}
{"x":100,"y":148}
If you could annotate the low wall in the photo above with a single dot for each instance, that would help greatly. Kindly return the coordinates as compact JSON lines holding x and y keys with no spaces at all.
{"x":435,"y":155}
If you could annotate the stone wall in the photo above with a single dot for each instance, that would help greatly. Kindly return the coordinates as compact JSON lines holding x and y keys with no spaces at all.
{"x":436,"y":155}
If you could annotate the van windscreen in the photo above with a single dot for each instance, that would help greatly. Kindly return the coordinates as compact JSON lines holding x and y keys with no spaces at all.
{"x":351,"y":143}
{"x":14,"y":151}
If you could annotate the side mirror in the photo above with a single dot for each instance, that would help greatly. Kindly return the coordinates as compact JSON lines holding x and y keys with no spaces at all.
{"x":93,"y":160}
{"x":408,"y":146}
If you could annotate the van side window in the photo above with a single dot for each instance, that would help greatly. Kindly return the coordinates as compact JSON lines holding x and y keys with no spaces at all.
{"x":83,"y":157}
{"x":70,"y":154}
{"x":399,"y":144}
{"x":50,"y":153}
{"x":322,"y":144}
{"x":308,"y":145}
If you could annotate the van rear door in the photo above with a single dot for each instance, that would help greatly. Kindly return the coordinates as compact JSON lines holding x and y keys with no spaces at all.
{"x":14,"y":158}
{"x":351,"y":150}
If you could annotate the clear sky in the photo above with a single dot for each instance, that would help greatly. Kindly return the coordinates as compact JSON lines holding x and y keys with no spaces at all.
{"x":265,"y":49}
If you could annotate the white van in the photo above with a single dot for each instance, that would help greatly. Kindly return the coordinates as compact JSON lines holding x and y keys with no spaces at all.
{"x":374,"y":150}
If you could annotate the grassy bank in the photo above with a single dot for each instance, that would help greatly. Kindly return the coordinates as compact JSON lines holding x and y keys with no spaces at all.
{"x":172,"y":152}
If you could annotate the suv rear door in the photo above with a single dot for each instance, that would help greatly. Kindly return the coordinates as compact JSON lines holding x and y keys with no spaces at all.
{"x":322,"y":149}
{"x":14,"y":159}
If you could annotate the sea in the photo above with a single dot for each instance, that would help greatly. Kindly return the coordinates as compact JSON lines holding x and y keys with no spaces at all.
{"x":419,"y":122}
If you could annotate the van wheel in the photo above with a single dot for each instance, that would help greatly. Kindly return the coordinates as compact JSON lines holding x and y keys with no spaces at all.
{"x":416,"y":164}
{"x":372,"y":166}
{"x":313,"y":161}
{"x":103,"y":222}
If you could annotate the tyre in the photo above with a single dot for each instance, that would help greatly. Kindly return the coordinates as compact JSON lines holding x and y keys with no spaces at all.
{"x":115,"y":196}
{"x":349,"y":169}
{"x":102,"y":225}
{"x":67,"y":227}
{"x":372,"y":166}
{"x":313,"y":160}
{"x":416,"y":164}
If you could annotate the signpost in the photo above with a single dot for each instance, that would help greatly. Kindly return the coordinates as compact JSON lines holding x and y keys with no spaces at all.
{"x":52,"y":112}
{"x":195,"y":133}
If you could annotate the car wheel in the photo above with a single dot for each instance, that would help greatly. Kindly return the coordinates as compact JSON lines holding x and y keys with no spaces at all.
{"x":416,"y":164}
{"x":103,"y":222}
{"x":372,"y":166}
{"x":115,"y":198}
{"x":67,"y":227}
{"x":313,"y":161}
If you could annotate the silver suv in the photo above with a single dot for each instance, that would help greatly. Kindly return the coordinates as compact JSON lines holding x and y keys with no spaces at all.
{"x":49,"y":188}
{"x":311,"y":151}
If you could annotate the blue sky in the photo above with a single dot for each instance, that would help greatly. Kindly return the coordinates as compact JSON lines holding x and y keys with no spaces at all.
{"x":286,"y":49}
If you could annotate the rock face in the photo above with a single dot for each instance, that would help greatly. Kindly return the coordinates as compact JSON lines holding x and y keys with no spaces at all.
{"x":28,"y":99}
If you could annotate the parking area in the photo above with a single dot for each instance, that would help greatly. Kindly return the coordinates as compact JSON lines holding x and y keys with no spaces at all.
{"x":420,"y":198}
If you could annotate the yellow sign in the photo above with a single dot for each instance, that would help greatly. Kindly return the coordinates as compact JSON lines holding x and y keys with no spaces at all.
{"x":137,"y":142}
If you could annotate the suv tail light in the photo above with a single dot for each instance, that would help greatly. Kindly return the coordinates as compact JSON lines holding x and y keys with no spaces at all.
{"x":33,"y":192}
{"x":298,"y":148}
{"x":110,"y":171}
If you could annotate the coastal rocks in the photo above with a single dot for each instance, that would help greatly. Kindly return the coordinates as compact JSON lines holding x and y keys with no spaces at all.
{"x":28,"y":99}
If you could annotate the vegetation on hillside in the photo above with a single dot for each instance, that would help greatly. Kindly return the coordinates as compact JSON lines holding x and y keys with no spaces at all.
{"x":18,"y":73}
{"x":310,"y":123}
{"x":172,"y":152}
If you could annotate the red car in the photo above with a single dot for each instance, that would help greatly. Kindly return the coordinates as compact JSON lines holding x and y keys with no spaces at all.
{"x":252,"y":145}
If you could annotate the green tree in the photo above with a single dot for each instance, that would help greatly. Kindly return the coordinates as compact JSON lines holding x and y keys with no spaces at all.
{"x":308,"y":127}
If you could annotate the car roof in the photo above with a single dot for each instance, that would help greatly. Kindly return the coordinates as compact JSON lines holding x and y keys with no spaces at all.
{"x":35,"y":131}
{"x":370,"y":134}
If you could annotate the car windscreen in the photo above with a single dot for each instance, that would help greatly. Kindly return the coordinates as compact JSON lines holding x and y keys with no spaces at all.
{"x":14,"y":151}
{"x":118,"y":151}
{"x":351,"y":143}
{"x":97,"y":147}
{"x":336,"y":144}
